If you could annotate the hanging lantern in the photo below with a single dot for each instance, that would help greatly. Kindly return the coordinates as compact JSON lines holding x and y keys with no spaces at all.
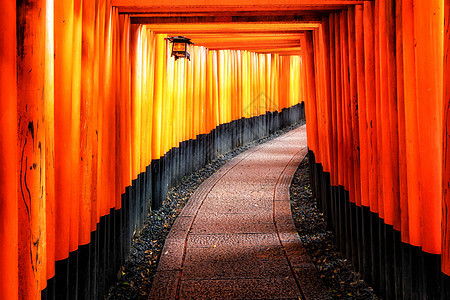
{"x":180,"y":47}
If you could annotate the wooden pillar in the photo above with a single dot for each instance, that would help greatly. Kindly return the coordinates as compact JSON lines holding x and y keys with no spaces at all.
{"x":94,"y":121}
{"x":109,"y":110}
{"x":362,"y":106}
{"x":446,"y":153}
{"x":379,"y":126}
{"x":320,"y":153}
{"x":75,"y":128}
{"x":402,"y":158}
{"x":428,"y":24}
{"x":310,"y":73}
{"x":339,"y":119}
{"x":87,"y":120}
{"x":333,"y":87}
{"x":393,"y":112}
{"x":411,"y":126}
{"x":49,"y":95}
{"x":63,"y":106}
{"x":354,"y":108}
{"x":386,"y":172}
{"x":305,"y":76}
{"x":370,"y":92}
{"x":125,"y":83}
{"x":327,"y":101}
{"x":8,"y":159}
{"x":346,"y":108}
{"x":136,"y":60}
{"x":31,"y":20}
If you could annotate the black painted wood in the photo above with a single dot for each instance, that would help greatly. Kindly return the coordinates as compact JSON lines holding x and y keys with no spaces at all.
{"x":394,"y":269}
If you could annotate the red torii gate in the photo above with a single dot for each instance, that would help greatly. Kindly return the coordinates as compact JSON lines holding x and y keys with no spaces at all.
{"x":375,"y":86}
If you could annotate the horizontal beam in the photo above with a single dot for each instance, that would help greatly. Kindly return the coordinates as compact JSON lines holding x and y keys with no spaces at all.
{"x":250,"y":46}
{"x":304,"y":14}
{"x":136,"y":6}
{"x":279,"y":51}
{"x":247,"y":40}
{"x":253,"y":3}
{"x":250,"y":42}
{"x":225,"y":28}
{"x":189,"y":34}
{"x":267,"y":50}
{"x":290,"y":54}
{"x":229,"y":18}
{"x":244,"y":35}
{"x":257,"y":26}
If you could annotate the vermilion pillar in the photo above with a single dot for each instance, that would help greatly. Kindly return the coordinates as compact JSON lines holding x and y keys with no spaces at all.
{"x":125,"y":104}
{"x":354,"y":107}
{"x":87,"y":121}
{"x":393,"y":112}
{"x":160,"y":48}
{"x":49,"y":94}
{"x":446,"y":155}
{"x":428,"y":24}
{"x":325,"y":29}
{"x":362,"y":107}
{"x":411,"y":126}
{"x":94,"y":119}
{"x":75,"y":128}
{"x":311,"y":107}
{"x":379,"y":150}
{"x":402,"y":158}
{"x":333,"y":116}
{"x":31,"y":148}
{"x":346,"y":104}
{"x":385,"y":170}
{"x":339,"y":114}
{"x":63,"y":115}
{"x":135,"y":44}
{"x":370,"y":86}
{"x":8,"y":142}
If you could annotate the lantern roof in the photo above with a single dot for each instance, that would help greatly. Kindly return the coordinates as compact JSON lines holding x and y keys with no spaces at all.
{"x":180,"y":39}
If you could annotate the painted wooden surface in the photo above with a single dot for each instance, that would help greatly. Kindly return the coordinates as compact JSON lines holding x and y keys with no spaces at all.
{"x":97,"y":100}
{"x":389,"y":99}
{"x":90,"y":98}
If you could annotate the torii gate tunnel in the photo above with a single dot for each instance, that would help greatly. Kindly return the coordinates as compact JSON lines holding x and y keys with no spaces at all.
{"x":98,"y":121}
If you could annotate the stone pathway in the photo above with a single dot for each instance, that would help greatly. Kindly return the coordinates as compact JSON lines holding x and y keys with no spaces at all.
{"x":235,"y":238}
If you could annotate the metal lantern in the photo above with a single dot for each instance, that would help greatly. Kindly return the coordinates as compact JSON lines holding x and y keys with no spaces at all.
{"x":180,"y":46}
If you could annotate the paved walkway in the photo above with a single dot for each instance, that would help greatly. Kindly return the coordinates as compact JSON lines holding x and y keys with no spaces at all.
{"x":235,"y":238}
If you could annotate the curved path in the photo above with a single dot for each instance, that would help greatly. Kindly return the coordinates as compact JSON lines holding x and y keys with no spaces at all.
{"x":235,"y":238}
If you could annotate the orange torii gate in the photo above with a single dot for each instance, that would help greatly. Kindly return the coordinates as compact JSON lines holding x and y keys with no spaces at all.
{"x":378,"y":169}
{"x":95,"y":115}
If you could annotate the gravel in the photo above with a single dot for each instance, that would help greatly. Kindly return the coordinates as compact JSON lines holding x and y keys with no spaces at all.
{"x":336,"y":271}
{"x":136,"y":275}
